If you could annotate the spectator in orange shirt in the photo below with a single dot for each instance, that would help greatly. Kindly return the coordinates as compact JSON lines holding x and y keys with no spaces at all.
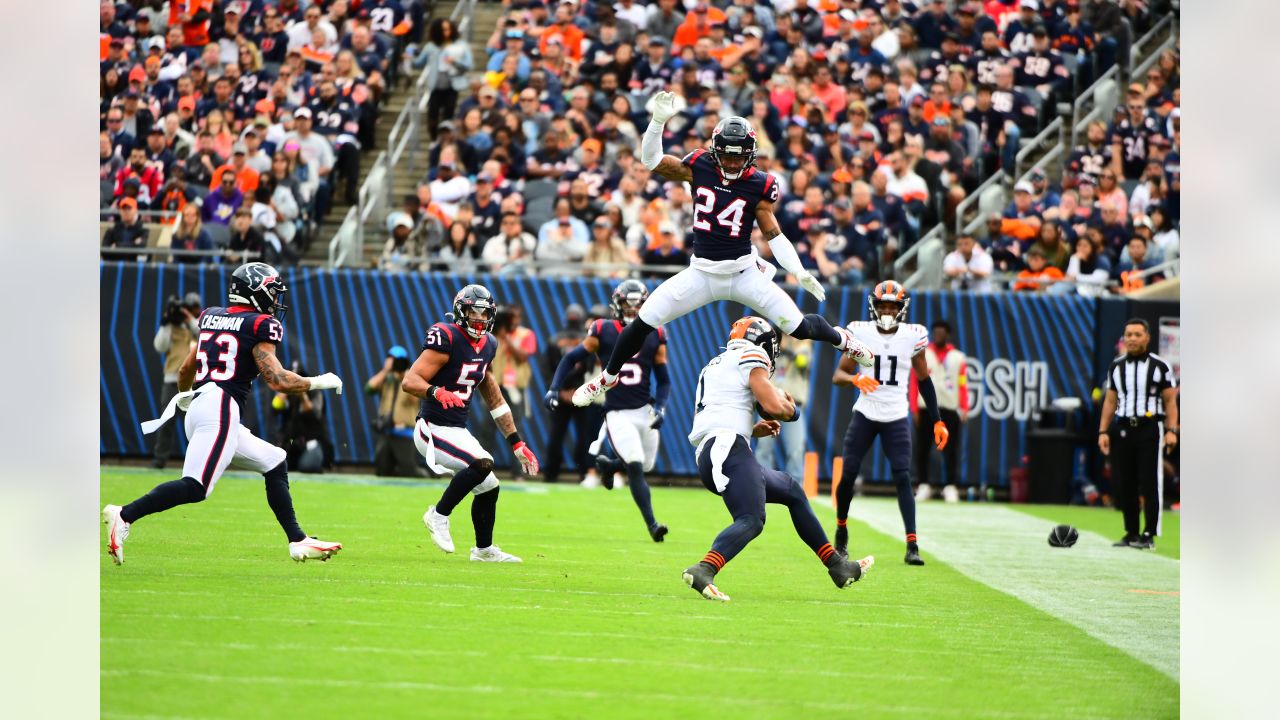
{"x":246,"y":177}
{"x":1038,"y":270}
{"x":194,"y":16}
{"x":570,"y":35}
{"x":832,"y":95}
{"x":938,"y":103}
{"x":696,"y":25}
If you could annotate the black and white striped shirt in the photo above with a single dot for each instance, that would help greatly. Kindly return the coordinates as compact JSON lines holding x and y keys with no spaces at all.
{"x":1138,"y":381}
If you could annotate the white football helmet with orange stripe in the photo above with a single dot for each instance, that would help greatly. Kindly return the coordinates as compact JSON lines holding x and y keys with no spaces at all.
{"x":888,"y":305}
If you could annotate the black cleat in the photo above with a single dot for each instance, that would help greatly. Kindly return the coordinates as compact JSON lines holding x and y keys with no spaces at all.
{"x":701,"y":578}
{"x":607,"y":469}
{"x":1145,"y":541}
{"x":1126,"y":541}
{"x":658,"y":532}
{"x":913,"y":555}
{"x":842,"y":540}
{"x":845,"y":572}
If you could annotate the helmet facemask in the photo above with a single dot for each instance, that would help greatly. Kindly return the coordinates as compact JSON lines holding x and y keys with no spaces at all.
{"x":477,"y":320}
{"x":733,"y":161}
{"x":888,"y":314}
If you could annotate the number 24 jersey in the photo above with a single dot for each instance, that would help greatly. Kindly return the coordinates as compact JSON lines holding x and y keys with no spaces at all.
{"x":724,"y":211}
{"x":892,"y":368}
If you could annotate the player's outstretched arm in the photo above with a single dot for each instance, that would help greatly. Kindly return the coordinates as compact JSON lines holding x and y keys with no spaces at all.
{"x":571,"y":360}
{"x":285,"y":381}
{"x":770,"y":399}
{"x":667,"y":166}
{"x":784,"y":252}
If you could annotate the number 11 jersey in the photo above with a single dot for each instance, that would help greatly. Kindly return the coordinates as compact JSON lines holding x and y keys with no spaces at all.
{"x":467,"y":364}
{"x":892,"y":368}
{"x":724,"y":211}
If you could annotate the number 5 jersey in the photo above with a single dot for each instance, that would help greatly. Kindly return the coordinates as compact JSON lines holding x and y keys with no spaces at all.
{"x":892,"y":368}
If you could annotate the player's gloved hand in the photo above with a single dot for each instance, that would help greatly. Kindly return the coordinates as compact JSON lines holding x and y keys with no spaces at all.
{"x":811,"y":285}
{"x":184,"y":400}
{"x":327,"y":381}
{"x":446,"y":398}
{"x":551,"y":400}
{"x":865,"y":383}
{"x":664,"y":107}
{"x":659,"y":414}
{"x":526,"y":458}
{"x":940,"y":434}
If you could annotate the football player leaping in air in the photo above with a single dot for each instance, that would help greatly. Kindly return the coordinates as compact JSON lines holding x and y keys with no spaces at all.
{"x":882,"y":407}
{"x":730,"y":197}
{"x":455,"y":363}
{"x":236,"y":344}
{"x":631,"y":422}
{"x":731,"y":388}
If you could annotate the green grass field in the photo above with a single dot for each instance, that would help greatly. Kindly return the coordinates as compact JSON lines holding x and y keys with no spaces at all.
{"x":210,"y":618}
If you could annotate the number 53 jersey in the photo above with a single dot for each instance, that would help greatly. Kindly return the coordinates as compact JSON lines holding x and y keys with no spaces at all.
{"x":467,"y":364}
{"x":892,"y":368}
{"x":224,"y":355}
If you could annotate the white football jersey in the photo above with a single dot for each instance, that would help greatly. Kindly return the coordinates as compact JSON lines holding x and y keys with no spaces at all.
{"x":892,"y":368}
{"x":724,"y":398}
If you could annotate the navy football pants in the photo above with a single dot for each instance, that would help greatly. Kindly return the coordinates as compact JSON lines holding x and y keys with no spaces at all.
{"x":895,"y":442}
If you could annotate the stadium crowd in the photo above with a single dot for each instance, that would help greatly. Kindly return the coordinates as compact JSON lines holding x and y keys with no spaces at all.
{"x":242,"y":109}
{"x":877,"y":117}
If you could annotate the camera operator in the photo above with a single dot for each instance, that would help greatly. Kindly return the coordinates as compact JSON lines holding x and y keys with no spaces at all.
{"x":173,"y":340}
{"x":395,"y":454}
{"x":303,"y":434}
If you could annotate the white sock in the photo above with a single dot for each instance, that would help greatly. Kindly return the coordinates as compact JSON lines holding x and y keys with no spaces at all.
{"x":608,"y":378}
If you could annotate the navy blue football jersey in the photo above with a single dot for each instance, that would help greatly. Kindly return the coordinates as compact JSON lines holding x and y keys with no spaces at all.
{"x":468,"y":362}
{"x":724,"y":212}
{"x":225,"y":352}
{"x":633,"y":389}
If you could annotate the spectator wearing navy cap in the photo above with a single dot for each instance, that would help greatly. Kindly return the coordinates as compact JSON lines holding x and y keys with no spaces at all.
{"x":1043,"y":197}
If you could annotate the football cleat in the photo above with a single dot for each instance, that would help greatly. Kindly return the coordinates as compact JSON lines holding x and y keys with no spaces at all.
{"x":117,"y":532}
{"x":605,"y":466}
{"x":913,"y":555}
{"x":924,"y":492}
{"x":1145,"y":541}
{"x":1126,"y":541}
{"x":854,"y":348}
{"x":592,"y":389}
{"x":844,"y":572}
{"x":658,"y":532}
{"x":493,"y":553}
{"x":438,"y":527}
{"x":313,"y":549}
{"x":700,"y":577}
{"x":842,"y":540}
{"x":951,"y":494}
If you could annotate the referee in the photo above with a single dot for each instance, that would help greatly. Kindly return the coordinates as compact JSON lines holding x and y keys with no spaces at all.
{"x":1139,"y":412}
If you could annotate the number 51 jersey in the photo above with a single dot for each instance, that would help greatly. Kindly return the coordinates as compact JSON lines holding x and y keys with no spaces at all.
{"x":467,"y":364}
{"x":224,"y":355}
{"x":892,"y":368}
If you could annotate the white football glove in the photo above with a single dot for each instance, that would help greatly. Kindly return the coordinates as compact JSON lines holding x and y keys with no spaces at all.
{"x":811,"y":285}
{"x":327,"y":381}
{"x":664,"y":107}
{"x":184,"y":400}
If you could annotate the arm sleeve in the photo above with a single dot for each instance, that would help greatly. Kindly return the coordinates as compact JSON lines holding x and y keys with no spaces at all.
{"x":930,"y":398}
{"x":663,"y":390}
{"x":651,"y":145}
{"x":785,"y":253}
{"x":567,"y":363}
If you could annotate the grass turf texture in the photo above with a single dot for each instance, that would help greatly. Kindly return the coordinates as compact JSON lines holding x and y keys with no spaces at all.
{"x":1108,"y":523}
{"x":209,"y":618}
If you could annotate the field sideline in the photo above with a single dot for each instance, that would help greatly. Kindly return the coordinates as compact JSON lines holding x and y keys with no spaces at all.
{"x":209,"y":618}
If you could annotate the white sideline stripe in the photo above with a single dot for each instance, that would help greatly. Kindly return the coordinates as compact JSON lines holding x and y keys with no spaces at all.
{"x":1086,"y":586}
{"x":750,"y":702}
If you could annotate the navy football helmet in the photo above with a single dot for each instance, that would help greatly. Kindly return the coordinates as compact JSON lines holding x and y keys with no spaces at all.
{"x":474,"y":310}
{"x":733,"y":146}
{"x":627,"y":299}
{"x":259,"y":286}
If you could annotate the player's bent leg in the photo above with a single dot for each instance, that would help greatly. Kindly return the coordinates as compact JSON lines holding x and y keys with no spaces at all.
{"x":162,"y":497}
{"x":484,"y":513}
{"x":626,"y":432}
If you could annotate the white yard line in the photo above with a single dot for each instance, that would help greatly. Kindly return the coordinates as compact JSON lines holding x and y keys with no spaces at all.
{"x":1126,"y":598}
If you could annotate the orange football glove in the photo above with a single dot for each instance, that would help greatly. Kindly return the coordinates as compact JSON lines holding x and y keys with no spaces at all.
{"x":940,"y":434}
{"x":865,"y":383}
